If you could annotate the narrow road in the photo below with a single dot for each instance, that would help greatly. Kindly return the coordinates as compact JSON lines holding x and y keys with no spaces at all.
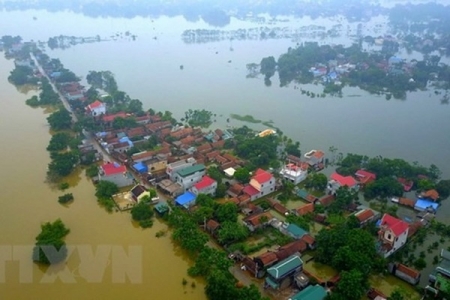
{"x":61,"y":96}
{"x":88,"y":135}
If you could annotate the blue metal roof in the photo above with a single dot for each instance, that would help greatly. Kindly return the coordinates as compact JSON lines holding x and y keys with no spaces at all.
{"x":425,"y":204}
{"x":185,"y":199}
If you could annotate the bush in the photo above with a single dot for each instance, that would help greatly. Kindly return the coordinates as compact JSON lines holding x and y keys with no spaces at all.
{"x":65,"y":198}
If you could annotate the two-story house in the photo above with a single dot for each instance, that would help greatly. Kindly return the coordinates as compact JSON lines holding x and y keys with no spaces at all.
{"x":392,"y":235}
{"x":189,"y":176}
{"x":173,"y":168}
{"x":294,"y":173}
{"x":206,"y":185}
{"x":115,"y":173}
{"x":96,"y":108}
{"x":261,"y":184}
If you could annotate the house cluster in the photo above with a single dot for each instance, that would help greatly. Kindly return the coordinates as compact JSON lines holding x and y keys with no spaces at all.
{"x":296,"y":169}
{"x":439,"y":279}
{"x":333,"y":71}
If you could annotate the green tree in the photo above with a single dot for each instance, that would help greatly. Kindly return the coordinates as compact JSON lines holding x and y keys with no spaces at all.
{"x":352,"y":285}
{"x":231,"y":232}
{"x":396,"y":295}
{"x":50,"y":247}
{"x":59,"y":142}
{"x":60,"y":120}
{"x":221,"y":285}
{"x":317,"y":181}
{"x":202,"y":214}
{"x":268,"y":66}
{"x":105,"y":189}
{"x":143,"y":213}
{"x":215,"y":173}
{"x":62,"y":164}
{"x":242,"y":175}
{"x":221,"y":190}
{"x":226,"y":212}
{"x":208,"y":260}
{"x":135,"y":106}
{"x":443,"y":188}
{"x":425,"y":184}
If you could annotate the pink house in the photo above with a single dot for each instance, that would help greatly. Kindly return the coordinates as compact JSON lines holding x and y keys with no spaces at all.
{"x":261,"y":184}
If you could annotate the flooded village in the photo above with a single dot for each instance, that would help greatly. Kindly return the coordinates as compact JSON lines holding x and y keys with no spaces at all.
{"x":251,"y":214}
{"x":276,"y":210}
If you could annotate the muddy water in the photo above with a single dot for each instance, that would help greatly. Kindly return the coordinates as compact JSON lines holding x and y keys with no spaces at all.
{"x":27,"y":201}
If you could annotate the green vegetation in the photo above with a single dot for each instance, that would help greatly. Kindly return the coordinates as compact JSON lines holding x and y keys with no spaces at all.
{"x":104,"y":192}
{"x":352,"y":252}
{"x":242,"y":175}
{"x":62,"y":164}
{"x":246,"y":118}
{"x":63,"y":186}
{"x":22,"y":75}
{"x":202,"y":118}
{"x":258,"y":151}
{"x":50,"y":247}
{"x":316,"y":181}
{"x":59,"y":142}
{"x":66,"y":198}
{"x":387,"y":171}
{"x":92,"y":171}
{"x":210,"y":263}
{"x":60,"y":120}
{"x":143,"y":213}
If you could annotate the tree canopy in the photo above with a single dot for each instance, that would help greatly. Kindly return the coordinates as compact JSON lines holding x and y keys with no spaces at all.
{"x":60,"y":120}
{"x":50,"y":247}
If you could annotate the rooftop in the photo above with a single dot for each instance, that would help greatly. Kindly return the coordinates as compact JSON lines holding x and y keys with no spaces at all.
{"x":205,"y":182}
{"x":397,"y":226}
{"x":296,"y":231}
{"x":113,"y":168}
{"x":344,"y":180}
{"x":185,"y":199}
{"x":285,"y":267}
{"x":262,"y":176}
{"x":191,"y":170}
{"x":312,"y":292}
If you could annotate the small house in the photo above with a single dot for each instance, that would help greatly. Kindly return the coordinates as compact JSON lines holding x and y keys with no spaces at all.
{"x":338,"y":181}
{"x":138,"y":192}
{"x":206,"y":185}
{"x":185,"y":200}
{"x":407,"y":274}
{"x":96,"y":108}
{"x":115,"y":173}
{"x":282,"y":274}
{"x":258,"y":220}
{"x":294,"y":173}
{"x":365,"y":177}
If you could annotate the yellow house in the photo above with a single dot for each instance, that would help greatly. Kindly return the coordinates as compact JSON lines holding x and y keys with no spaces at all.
{"x":138,"y":192}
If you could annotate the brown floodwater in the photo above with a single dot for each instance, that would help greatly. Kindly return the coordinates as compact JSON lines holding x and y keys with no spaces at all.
{"x":27,"y":201}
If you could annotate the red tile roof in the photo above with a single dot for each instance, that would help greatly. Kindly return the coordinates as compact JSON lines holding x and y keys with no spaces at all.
{"x":95,"y":104}
{"x":407,"y":202}
{"x":251,"y":191}
{"x":267,"y":258}
{"x":262,"y":176}
{"x":110,"y":118}
{"x":408,"y":271}
{"x":305,"y":209}
{"x":212,"y":224}
{"x":326,"y":200}
{"x":319,"y":154}
{"x":113,"y":168}
{"x":397,"y":226}
{"x":204,"y":183}
{"x":365,"y":177}
{"x":255,"y":220}
{"x":364,"y":215}
{"x":431,"y":194}
{"x":308,"y":239}
{"x":344,"y":180}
